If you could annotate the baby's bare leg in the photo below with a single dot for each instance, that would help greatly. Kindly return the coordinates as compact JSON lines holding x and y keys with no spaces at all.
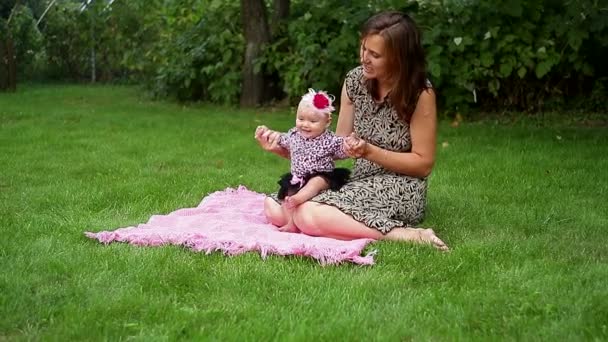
{"x":275,"y":213}
{"x":279,"y":216}
{"x":310,"y":190}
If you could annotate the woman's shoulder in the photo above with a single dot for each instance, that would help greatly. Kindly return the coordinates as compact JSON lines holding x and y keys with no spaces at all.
{"x":355,"y":73}
{"x":354,"y":82}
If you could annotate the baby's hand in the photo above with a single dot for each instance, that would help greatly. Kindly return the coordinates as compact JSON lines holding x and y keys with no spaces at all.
{"x":267,"y":138}
{"x":351,"y":140}
{"x":354,"y":146}
{"x":260,"y":130}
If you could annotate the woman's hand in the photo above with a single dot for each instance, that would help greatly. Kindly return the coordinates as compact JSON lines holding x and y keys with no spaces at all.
{"x":267,"y":138}
{"x":355,"y":147}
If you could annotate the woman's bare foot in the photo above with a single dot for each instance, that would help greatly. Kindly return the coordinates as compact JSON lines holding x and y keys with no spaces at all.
{"x":420,"y":235}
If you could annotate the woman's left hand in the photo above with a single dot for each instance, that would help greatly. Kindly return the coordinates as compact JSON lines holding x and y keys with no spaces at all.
{"x":355,"y":147}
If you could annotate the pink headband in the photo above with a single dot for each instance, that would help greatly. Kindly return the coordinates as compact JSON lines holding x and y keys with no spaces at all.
{"x":318,"y":102}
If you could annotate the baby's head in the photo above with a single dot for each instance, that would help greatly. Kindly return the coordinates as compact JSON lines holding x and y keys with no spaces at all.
{"x":314,"y":113}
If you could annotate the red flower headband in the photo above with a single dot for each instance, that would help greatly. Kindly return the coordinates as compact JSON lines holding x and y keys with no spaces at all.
{"x":321,"y":101}
{"x":318,"y":102}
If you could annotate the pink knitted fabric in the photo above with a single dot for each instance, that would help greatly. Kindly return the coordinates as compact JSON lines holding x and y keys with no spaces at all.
{"x":233,"y":221}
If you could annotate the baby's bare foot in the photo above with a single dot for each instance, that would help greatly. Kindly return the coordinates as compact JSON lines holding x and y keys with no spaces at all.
{"x":291,"y":202}
{"x":289,"y":228}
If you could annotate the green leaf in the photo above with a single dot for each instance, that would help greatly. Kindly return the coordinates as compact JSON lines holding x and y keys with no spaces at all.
{"x":513,"y":8}
{"x":487,"y":59}
{"x":587,"y":69}
{"x":542,"y":68}
{"x":435,"y":69}
{"x":227,"y":55}
{"x":434,"y":51}
{"x":522,"y":72}
{"x":494,"y":86}
{"x":505,"y":69}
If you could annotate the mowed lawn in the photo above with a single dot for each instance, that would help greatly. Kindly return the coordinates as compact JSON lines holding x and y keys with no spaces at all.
{"x":524,"y":207}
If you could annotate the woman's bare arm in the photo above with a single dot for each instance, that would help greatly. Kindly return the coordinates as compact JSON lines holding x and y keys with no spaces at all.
{"x":423,"y":130}
{"x":346,"y":118}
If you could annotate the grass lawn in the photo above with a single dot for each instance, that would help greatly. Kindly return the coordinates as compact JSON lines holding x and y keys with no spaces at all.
{"x":524,"y":207}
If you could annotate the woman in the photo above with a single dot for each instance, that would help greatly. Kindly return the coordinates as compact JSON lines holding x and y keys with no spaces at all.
{"x":389,"y":105}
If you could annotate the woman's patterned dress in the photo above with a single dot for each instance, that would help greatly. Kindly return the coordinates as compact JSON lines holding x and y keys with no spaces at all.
{"x":379,"y":198}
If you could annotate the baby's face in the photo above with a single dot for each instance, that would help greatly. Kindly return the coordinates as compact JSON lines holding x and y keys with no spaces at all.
{"x":310,"y":124}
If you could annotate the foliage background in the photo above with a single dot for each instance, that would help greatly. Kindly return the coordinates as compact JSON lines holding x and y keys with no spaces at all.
{"x":530,"y":55}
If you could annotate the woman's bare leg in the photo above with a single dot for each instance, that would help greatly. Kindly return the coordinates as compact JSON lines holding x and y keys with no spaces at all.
{"x":324,"y":220}
{"x":317,"y":219}
{"x":420,"y":235}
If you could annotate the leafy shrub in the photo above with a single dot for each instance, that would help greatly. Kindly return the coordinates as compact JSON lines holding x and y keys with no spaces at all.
{"x":500,"y":55}
{"x":28,"y":41}
{"x":511,"y":54}
{"x":200,"y":51}
{"x":67,"y":42}
{"x":318,"y":49}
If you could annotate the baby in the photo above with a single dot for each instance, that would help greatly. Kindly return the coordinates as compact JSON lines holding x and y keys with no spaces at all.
{"x":312,"y":148}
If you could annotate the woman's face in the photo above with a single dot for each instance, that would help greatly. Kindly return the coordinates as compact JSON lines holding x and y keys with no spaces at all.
{"x":373,"y":57}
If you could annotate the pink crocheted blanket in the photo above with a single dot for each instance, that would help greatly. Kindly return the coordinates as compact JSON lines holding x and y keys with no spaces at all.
{"x":233,"y":221}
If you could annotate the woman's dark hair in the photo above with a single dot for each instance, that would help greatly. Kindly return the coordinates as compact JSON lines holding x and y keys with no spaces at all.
{"x":405,"y":58}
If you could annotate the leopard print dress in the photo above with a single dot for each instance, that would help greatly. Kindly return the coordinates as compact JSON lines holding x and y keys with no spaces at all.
{"x":378,"y":198}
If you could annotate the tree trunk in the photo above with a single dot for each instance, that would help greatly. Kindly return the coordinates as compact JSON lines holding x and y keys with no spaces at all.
{"x":92,"y":24}
{"x":3,"y":65}
{"x":8,"y":66}
{"x":278,"y":28}
{"x":12,"y":64}
{"x":255,"y":26}
{"x":8,"y":63}
{"x":93,"y":59}
{"x":281,"y":13}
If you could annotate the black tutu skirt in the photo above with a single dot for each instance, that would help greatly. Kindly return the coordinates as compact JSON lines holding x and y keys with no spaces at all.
{"x":336,"y":179}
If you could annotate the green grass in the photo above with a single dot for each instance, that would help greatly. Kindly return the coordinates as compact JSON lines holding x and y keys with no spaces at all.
{"x":523,"y":206}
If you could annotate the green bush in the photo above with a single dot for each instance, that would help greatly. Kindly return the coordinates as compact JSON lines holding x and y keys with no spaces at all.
{"x":28,"y":41}
{"x":199,"y":53}
{"x":72,"y":35}
{"x":500,"y":55}
{"x":67,"y":43}
{"x":512,"y":54}
{"x":321,"y":44}
{"x":319,"y":47}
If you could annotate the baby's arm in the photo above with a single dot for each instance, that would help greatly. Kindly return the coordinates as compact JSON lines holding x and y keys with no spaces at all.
{"x":284,"y":141}
{"x":269,"y":141}
{"x":339,"y":145}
